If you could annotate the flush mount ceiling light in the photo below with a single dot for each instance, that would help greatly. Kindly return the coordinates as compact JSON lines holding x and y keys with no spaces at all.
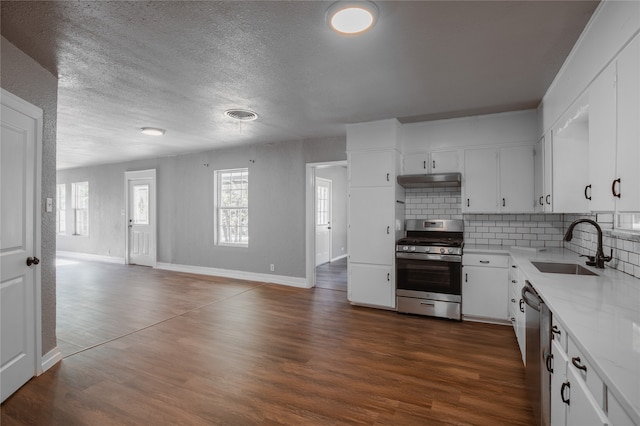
{"x":241,"y":114}
{"x":352,"y":17}
{"x":152,"y":131}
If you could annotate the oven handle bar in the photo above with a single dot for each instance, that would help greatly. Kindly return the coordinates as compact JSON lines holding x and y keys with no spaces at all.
{"x":424,"y":256}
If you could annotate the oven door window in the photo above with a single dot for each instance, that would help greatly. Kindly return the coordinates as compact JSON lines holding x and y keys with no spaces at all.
{"x":429,"y":276}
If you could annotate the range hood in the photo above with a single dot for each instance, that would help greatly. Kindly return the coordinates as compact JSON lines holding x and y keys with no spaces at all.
{"x":432,"y":180}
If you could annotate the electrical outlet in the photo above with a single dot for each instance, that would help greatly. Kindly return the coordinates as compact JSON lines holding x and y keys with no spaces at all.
{"x":272,"y":267}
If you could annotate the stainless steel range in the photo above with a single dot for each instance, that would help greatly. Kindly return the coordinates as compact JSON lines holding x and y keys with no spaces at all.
{"x":429,"y":268}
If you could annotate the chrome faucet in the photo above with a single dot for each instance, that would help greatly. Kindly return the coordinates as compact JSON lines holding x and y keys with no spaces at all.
{"x":599,"y":259}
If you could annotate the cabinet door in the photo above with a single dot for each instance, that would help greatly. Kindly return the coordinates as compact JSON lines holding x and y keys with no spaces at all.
{"x":602,"y":139}
{"x":583,"y":409}
{"x":480,"y":181}
{"x":372,"y":225}
{"x":371,"y":285}
{"x":375,"y":168}
{"x":558,"y":378}
{"x":538,"y":176}
{"x":516,"y":179}
{"x":547,"y":172}
{"x":628,"y":148}
{"x":571,"y":160}
{"x":485,"y":292}
{"x":444,"y":162}
{"x":415,"y":163}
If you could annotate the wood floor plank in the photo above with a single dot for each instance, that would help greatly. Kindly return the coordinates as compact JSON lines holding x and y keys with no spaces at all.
{"x":237,"y":353}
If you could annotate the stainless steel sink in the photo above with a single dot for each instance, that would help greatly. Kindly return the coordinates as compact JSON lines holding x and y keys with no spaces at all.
{"x":562,"y":268}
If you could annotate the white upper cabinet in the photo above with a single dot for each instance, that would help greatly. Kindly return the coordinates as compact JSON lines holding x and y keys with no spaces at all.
{"x":433,"y":162}
{"x":480,"y":181}
{"x":628,"y":125}
{"x":372,"y":168}
{"x":444,"y":162}
{"x":516,"y":179}
{"x":602,"y":139}
{"x":498,"y":180}
{"x":374,"y":135}
{"x":571,"y":190}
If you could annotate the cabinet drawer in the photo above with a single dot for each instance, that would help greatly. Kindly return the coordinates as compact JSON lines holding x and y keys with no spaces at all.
{"x":559,"y":333}
{"x":490,"y":260}
{"x":583,"y":369}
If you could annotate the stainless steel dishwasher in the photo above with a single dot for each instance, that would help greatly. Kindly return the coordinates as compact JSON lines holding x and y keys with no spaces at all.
{"x":538,"y":347}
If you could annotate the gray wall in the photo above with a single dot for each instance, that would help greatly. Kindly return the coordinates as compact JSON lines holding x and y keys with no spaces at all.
{"x":185,"y":206}
{"x":338,"y":177}
{"x":23,"y":77}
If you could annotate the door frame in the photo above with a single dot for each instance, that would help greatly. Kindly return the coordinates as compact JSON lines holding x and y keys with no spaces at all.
{"x":14,"y":102}
{"x":133,"y":176}
{"x":310,"y":210}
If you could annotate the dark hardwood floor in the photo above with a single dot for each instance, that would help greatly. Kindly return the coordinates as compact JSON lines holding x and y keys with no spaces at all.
{"x":205,"y":350}
{"x":332,"y":275}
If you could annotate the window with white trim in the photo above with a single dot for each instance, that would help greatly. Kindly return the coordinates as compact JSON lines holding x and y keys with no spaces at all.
{"x":232,"y":207}
{"x":61,"y":210}
{"x":80,"y":206}
{"x":628,"y":221}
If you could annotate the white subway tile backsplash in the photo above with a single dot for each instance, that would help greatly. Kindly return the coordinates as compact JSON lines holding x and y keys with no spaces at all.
{"x":529,"y":230}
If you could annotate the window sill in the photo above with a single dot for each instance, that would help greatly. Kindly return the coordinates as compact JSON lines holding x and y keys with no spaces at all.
{"x":626,"y":234}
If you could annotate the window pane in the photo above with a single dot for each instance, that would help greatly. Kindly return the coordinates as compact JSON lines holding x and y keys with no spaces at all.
{"x":232,"y":203}
{"x":61,"y":195}
{"x":630,"y":221}
{"x":80,"y":204}
{"x":141,"y":204}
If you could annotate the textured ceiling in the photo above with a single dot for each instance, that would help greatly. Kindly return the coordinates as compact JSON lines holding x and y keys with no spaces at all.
{"x":179,"y":65}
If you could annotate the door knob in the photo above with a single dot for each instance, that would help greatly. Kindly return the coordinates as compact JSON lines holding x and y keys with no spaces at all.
{"x":32,"y":261}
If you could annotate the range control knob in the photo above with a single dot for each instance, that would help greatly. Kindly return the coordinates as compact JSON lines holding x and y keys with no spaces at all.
{"x":442,"y":250}
{"x":427,"y":249}
{"x":450,"y":250}
{"x":413,"y":248}
{"x":405,"y":248}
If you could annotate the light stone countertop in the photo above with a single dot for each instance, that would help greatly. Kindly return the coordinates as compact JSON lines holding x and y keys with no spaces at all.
{"x":601,"y":314}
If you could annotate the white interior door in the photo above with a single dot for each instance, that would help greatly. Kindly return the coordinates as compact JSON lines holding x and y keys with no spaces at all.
{"x":19,"y":217}
{"x":141,"y":227}
{"x":323,"y":221}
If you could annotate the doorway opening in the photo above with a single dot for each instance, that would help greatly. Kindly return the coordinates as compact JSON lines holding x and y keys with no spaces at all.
{"x":327,"y":225}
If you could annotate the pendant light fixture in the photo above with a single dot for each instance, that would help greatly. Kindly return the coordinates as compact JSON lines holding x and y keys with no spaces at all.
{"x":351,"y":17}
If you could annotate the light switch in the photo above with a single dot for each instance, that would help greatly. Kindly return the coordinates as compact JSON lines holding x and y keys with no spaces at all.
{"x":49,"y":205}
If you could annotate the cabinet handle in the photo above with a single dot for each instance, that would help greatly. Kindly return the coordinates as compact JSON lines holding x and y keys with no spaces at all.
{"x":513,"y":319}
{"x":514,"y":281}
{"x":565,"y":385}
{"x":521,"y":305}
{"x":485,"y":261}
{"x":424,"y":164}
{"x":388,"y":229}
{"x":588,"y":197}
{"x":388,"y":276}
{"x":514,"y":266}
{"x":546,"y":199}
{"x":613,"y":188}
{"x":576,"y":363}
{"x":467,"y":202}
{"x":387,"y":177}
{"x":513,"y":300}
{"x":427,"y":304}
{"x":540,"y":200}
{"x":466,"y":278}
{"x":555,"y":331}
{"x":549,"y":363}
{"x":434,"y":164}
{"x":504,"y":203}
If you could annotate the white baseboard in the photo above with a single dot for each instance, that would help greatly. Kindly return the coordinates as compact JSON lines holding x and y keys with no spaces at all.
{"x":339,"y":257}
{"x":88,"y":256}
{"x":241,"y":275}
{"x":51,"y":358}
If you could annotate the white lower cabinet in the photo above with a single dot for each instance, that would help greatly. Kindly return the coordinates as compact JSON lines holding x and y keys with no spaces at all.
{"x":572,"y":402}
{"x":516,"y":308}
{"x":372,"y":285}
{"x":485,"y":287}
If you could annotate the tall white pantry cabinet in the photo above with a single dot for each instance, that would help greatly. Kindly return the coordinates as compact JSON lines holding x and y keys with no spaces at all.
{"x":376,"y":212}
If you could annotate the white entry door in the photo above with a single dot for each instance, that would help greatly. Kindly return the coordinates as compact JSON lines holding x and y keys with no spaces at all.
{"x":323,"y":221}
{"x":141,"y":227}
{"x":19,"y":241}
